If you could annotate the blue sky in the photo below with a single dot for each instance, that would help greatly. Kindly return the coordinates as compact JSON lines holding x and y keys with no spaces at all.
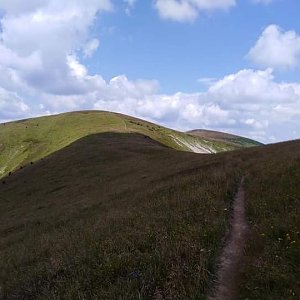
{"x":143,"y":45}
{"x":228,"y":65}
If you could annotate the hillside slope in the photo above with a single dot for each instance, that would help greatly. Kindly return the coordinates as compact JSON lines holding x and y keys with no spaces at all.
{"x":122,"y":216}
{"x":224,"y":141}
{"x":25,"y":141}
{"x":29,"y":140}
{"x":113,"y":216}
{"x":272,"y":191}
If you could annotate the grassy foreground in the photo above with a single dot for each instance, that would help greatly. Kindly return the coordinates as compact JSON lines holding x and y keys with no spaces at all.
{"x":273,"y":209}
{"x":117,"y":217}
{"x":120,"y":216}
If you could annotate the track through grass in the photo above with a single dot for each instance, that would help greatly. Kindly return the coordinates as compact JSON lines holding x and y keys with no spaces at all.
{"x":122,"y":216}
{"x":232,"y":257}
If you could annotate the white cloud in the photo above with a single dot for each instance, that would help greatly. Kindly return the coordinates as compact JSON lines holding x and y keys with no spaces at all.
{"x":261,"y":107}
{"x":129,"y":5}
{"x":78,"y":70}
{"x":12,"y":106}
{"x":213,"y":4}
{"x":90,"y":47}
{"x":248,"y":102}
{"x":208,"y":81}
{"x":177,"y":11}
{"x":188,"y":10}
{"x":276,"y":48}
{"x":36,"y":42}
{"x":18,"y":6}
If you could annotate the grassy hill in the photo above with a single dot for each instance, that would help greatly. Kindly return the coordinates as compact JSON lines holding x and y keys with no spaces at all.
{"x":122,"y":216}
{"x":113,"y":216}
{"x":27,"y":141}
{"x":224,"y":141}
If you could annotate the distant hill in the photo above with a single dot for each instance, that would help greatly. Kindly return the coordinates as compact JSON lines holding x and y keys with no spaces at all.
{"x":26,"y":141}
{"x":225,"y":140}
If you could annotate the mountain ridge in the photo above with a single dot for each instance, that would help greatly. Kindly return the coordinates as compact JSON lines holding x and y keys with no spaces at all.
{"x":231,"y":140}
{"x":28,"y":140}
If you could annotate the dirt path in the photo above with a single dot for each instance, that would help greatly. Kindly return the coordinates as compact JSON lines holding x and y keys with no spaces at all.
{"x":232,"y":256}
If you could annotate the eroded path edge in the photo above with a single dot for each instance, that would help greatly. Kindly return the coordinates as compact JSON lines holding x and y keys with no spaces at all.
{"x":232,"y":256}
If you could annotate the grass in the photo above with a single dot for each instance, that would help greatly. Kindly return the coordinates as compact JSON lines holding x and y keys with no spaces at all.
{"x":273,"y":209}
{"x":29,"y":140}
{"x":120,"y":216}
{"x":223,"y":141}
{"x":131,"y":219}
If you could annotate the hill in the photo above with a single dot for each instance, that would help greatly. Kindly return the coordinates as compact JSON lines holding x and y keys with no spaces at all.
{"x":117,"y":215}
{"x":112,"y":216}
{"x":27,"y":141}
{"x":225,"y":140}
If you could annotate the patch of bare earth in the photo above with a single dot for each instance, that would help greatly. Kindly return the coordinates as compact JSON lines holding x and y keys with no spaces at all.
{"x":232,"y":257}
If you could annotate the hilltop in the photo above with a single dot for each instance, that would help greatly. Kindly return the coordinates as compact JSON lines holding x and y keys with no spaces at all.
{"x":228,"y":141}
{"x":26,"y":141}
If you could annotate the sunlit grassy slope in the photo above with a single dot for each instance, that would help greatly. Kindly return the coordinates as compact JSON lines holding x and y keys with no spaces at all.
{"x":222,"y":141}
{"x":27,"y":141}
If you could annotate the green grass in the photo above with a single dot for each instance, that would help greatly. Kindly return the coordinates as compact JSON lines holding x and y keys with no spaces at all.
{"x":223,"y":141}
{"x":32,"y":139}
{"x":29,"y":140}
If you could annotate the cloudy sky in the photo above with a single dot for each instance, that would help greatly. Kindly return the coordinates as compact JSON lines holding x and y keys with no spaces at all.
{"x":231,"y":65}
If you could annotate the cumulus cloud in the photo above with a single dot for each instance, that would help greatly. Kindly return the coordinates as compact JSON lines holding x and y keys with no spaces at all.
{"x":258,"y":103}
{"x":177,"y":11}
{"x":248,"y":102}
{"x":188,"y":10}
{"x":90,"y":47}
{"x":39,"y":52}
{"x":276,"y":48}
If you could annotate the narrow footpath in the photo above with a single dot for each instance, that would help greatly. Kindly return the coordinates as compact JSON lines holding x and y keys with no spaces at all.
{"x":231,"y":260}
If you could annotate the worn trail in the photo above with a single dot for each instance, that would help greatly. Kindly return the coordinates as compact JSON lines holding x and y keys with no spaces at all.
{"x":232,"y":257}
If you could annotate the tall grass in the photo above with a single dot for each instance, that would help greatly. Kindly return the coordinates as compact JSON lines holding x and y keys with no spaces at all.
{"x":119,"y":216}
{"x":273,"y":209}
{"x":114,"y":217}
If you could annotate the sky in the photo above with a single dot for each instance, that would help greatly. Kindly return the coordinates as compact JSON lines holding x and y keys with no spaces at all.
{"x":228,"y":65}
